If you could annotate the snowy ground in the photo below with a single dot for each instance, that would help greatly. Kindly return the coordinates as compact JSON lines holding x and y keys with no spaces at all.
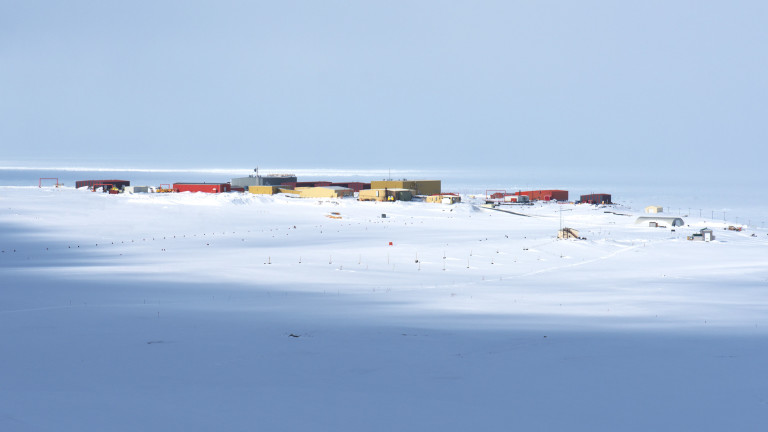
{"x":242,"y":312}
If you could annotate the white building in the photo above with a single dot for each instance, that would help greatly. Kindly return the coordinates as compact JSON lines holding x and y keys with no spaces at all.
{"x":136,"y":189}
{"x":660,"y":221}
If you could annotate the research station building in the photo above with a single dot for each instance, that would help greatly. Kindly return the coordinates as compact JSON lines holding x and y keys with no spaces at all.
{"x":421,"y":187}
{"x":596,"y":198}
{"x":202,"y":187}
{"x":546,"y":195}
{"x":259,"y":180}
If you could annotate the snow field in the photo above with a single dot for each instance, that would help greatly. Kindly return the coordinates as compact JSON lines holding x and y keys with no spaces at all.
{"x":194,"y":311}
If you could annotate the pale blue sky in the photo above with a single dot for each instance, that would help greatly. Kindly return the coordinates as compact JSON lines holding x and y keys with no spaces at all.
{"x":615,"y":85}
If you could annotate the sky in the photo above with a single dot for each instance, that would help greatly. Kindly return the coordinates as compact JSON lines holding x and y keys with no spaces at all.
{"x":653,"y":88}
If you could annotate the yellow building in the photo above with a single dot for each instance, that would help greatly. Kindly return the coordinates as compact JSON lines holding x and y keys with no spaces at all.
{"x":444,"y":199}
{"x":324,"y":192}
{"x":654,"y":209}
{"x":422,"y":187}
{"x":264,"y":190}
{"x":385,"y":195}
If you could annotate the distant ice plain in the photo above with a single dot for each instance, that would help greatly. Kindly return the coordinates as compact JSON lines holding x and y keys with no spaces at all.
{"x":160,"y":312}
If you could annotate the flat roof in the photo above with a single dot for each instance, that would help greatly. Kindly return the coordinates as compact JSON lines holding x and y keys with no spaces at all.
{"x":405,"y":180}
{"x":332,"y":187}
{"x":389,"y":189}
{"x":191,"y":184}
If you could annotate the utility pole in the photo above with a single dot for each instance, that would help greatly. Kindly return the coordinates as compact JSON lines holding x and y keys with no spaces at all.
{"x":561,"y":219}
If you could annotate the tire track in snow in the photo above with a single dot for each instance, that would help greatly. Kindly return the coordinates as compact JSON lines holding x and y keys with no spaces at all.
{"x":610,"y":255}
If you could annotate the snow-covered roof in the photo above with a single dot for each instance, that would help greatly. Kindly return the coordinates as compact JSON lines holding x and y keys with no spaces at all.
{"x":338,"y":188}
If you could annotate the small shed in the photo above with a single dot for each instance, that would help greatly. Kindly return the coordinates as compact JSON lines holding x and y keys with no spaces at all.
{"x":705,"y":234}
{"x":654,"y":209}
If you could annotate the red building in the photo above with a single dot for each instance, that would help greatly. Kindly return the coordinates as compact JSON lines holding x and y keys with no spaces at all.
{"x":202,"y":187}
{"x":546,"y":195}
{"x":355,"y":186}
{"x":294,"y":185}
